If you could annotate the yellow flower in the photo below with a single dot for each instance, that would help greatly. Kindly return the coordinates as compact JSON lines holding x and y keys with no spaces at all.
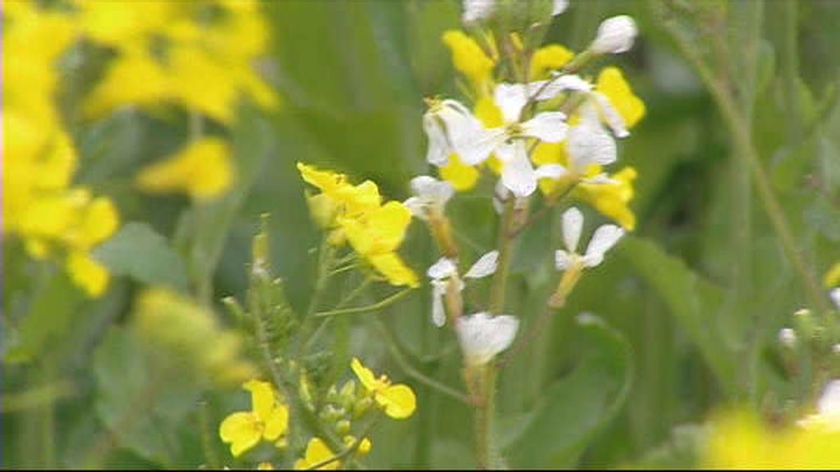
{"x":832,"y":276}
{"x":611,"y":200}
{"x":469,"y":59}
{"x":203,"y":170}
{"x":376,"y":235}
{"x":739,"y":440}
{"x":611,"y":83}
{"x":338,"y":198}
{"x":87,"y":273}
{"x":398,"y":401}
{"x":547,"y":59}
{"x":461,"y":176}
{"x":150,"y":84}
{"x":268,"y":420}
{"x":316,"y":452}
{"x":121,"y":24}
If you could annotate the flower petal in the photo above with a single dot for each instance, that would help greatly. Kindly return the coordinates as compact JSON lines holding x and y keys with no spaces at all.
{"x":277,"y":423}
{"x":484,"y":266}
{"x":588,"y":143}
{"x":549,"y":127}
{"x":551,"y":171}
{"x":474,"y":148}
{"x":517,"y":172}
{"x":398,"y":400}
{"x":483,"y":336}
{"x":262,"y":398}
{"x":438,"y":145}
{"x":442,"y":269}
{"x":562,"y":259}
{"x":604,"y":238}
{"x":364,"y":374}
{"x":242,"y":430}
{"x":510,"y":98}
{"x":438,"y":313}
{"x":572,"y":226}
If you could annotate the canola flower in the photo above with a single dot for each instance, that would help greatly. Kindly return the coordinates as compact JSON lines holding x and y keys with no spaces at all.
{"x":55,"y":219}
{"x":398,"y":401}
{"x":356,"y":215}
{"x":267,"y":420}
{"x":317,"y":452}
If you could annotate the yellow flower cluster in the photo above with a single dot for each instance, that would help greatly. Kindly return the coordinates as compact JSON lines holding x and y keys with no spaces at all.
{"x":268,"y":420}
{"x":397,"y":401}
{"x":54,"y":218}
{"x":356,"y":214}
{"x":610,"y":199}
{"x":196,"y":55}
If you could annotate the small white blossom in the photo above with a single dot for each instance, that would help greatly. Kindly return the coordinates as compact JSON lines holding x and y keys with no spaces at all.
{"x":602,"y":240}
{"x":445,"y":271}
{"x":587,"y":143}
{"x":787,"y":337}
{"x":827,"y":417}
{"x":430,"y":196}
{"x":834,"y":295}
{"x":559,"y":6}
{"x":477,"y":10}
{"x":447,"y":124}
{"x":615,"y":35}
{"x":482,"y":336}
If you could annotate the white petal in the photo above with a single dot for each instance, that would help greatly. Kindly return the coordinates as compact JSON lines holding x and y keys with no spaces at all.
{"x":615,"y":35}
{"x":604,"y":238}
{"x":438,"y":146}
{"x":829,"y":402}
{"x":611,"y":116}
{"x":551,"y":171}
{"x":500,"y":196}
{"x":548,"y":126}
{"x":475,"y":148}
{"x":484,"y":266}
{"x":834,"y":295}
{"x":416,"y":207}
{"x":559,"y":6}
{"x":517,"y":172}
{"x":438,"y":313}
{"x":572,"y":226}
{"x":510,"y":98}
{"x":599,"y":179}
{"x":548,"y":89}
{"x":475,"y":10}
{"x":442,"y":269}
{"x":431,"y":190}
{"x":588,"y":143}
{"x":483,"y":336}
{"x":562,"y":259}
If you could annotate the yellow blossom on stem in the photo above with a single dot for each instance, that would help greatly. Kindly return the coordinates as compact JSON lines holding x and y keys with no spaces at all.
{"x":398,"y":401}
{"x":611,"y":199}
{"x":203,"y":170}
{"x":547,"y":59}
{"x":268,"y":420}
{"x":469,"y":59}
{"x":317,"y":451}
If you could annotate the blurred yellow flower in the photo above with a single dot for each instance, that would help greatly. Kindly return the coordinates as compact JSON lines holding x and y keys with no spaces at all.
{"x":832,"y":276}
{"x":469,"y":59}
{"x":87,"y":273}
{"x":461,"y":176}
{"x":316,"y":452}
{"x":739,"y":440}
{"x":398,"y":401}
{"x":268,"y":419}
{"x":203,"y":170}
{"x":611,"y":199}
{"x":611,"y":84}
{"x":547,"y":59}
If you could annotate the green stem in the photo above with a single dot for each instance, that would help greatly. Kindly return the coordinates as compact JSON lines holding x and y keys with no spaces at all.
{"x":497,"y":292}
{"x":363,"y":309}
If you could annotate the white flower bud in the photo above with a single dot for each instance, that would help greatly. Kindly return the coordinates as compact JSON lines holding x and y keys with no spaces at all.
{"x":615,"y":35}
{"x":787,"y":337}
{"x":834,"y":295}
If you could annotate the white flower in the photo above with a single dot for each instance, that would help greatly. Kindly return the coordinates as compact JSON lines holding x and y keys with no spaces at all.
{"x":476,"y":10}
{"x":615,"y":35}
{"x":446,"y":123}
{"x":444,"y":271}
{"x":787,"y":337}
{"x":834,"y":295}
{"x":474,"y":146}
{"x":430,"y":196}
{"x":587,"y":143}
{"x":559,"y":6}
{"x":483,"y":336}
{"x":827,"y":417}
{"x":602,"y":240}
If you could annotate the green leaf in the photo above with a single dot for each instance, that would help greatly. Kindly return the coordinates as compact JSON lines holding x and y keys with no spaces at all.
{"x":144,"y":255}
{"x":691,"y":299}
{"x":142,"y":399}
{"x":575,"y":408}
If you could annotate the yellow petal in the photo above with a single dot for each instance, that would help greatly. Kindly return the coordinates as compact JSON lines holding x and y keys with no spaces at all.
{"x":393,"y":269}
{"x":548,"y":58}
{"x":612,"y":200}
{"x":100,"y":221}
{"x":87,"y":273}
{"x":488,"y":113}
{"x":262,"y":398}
{"x":364,"y":374}
{"x":317,"y":451}
{"x":611,"y":83}
{"x":276,"y":423}
{"x":398,"y":400}
{"x":242,"y":430}
{"x":325,"y":180}
{"x":468,"y":57}
{"x":202,"y":169}
{"x":461,"y":176}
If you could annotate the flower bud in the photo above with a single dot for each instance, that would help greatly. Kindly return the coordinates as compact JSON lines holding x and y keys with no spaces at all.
{"x":362,"y":406}
{"x":615,"y":35}
{"x":787,"y":337}
{"x":342,"y":427}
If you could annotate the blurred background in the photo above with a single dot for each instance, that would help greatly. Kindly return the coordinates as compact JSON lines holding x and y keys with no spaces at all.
{"x":694,"y":298}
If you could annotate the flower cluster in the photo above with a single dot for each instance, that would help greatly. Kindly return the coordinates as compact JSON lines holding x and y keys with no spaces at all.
{"x":554,"y":130}
{"x":55,"y":218}
{"x":357,"y":215}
